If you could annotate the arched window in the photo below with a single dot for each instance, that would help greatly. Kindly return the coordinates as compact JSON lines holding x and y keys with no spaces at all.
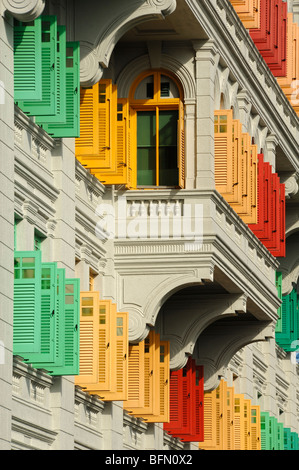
{"x":157,"y":130}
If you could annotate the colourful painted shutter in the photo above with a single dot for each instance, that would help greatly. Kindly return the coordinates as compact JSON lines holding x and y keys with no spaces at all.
{"x":71,"y":330}
{"x":119,"y":388}
{"x":248,"y":12}
{"x":70,"y":126}
{"x":181,"y":146}
{"x":88,"y":142}
{"x":161,"y":374}
{"x":27,"y":302}
{"x":175,"y":402}
{"x":223,"y":130}
{"x":210,"y":429}
{"x":278,"y":282}
{"x":47,"y":313}
{"x":60,"y":115}
{"x":255,"y":428}
{"x":135,"y":377}
{"x":151,"y":349}
{"x":118,"y":172}
{"x":89,"y":339}
{"x":287,"y":439}
{"x":48,"y":104}
{"x":239,"y":435}
{"x":27,"y":61}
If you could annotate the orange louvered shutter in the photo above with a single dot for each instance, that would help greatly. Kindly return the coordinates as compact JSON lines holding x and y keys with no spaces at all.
{"x":248,"y":12}
{"x":135,"y":377}
{"x":223,"y":130}
{"x":228,"y":405}
{"x":89,"y":339}
{"x":239,"y":422}
{"x":119,"y":360}
{"x":247,"y":419}
{"x":292,"y":62}
{"x":255,"y":428}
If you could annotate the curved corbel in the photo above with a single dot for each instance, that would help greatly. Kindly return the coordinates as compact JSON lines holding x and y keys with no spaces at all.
{"x":219,"y":343}
{"x":24,"y":10}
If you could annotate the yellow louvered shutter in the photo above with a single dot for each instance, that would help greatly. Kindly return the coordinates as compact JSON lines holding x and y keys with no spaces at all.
{"x":119,"y":360}
{"x":151,"y":345}
{"x":117,"y":172}
{"x":181,"y":146}
{"x":135,"y":377}
{"x":89,"y":339}
{"x":87,"y":145}
{"x":105,"y":349}
{"x":132,"y":155}
{"x":106,"y":108}
{"x":210,"y":410}
{"x":97,"y":106}
{"x":161,"y":384}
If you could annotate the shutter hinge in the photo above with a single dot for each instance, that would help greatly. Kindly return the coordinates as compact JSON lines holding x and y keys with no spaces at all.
{"x":53,"y":313}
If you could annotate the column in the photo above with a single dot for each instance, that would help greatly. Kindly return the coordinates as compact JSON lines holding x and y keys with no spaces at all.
{"x":206,"y":60}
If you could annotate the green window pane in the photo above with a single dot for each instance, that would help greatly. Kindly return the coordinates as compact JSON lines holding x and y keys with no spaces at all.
{"x":146,"y":148}
{"x":168,"y":168}
{"x":119,"y":322}
{"x":119,"y":331}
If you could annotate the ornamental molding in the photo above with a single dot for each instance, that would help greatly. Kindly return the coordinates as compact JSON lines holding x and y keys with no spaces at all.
{"x":24,"y":10}
{"x":167,"y":62}
{"x":216,"y":347}
{"x":97,"y":43}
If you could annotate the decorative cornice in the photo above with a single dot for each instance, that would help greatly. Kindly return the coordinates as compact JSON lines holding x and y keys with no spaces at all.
{"x":24,"y":10}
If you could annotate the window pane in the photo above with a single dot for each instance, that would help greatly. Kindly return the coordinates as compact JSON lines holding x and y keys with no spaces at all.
{"x":145,"y":89}
{"x":168,"y":88}
{"x":168,"y":167}
{"x":146,"y":148}
{"x":69,"y":289}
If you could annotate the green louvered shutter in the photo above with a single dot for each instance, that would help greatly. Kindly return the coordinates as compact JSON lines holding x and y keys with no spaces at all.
{"x":280,"y":436}
{"x":278,"y":328}
{"x":57,"y":325}
{"x":47,"y":313}
{"x":27,"y":302}
{"x":60,"y":115}
{"x":71,"y":332}
{"x":287,"y":439}
{"x":27,"y":61}
{"x":47,"y":105}
{"x":71,"y":126}
{"x":265,"y":431}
